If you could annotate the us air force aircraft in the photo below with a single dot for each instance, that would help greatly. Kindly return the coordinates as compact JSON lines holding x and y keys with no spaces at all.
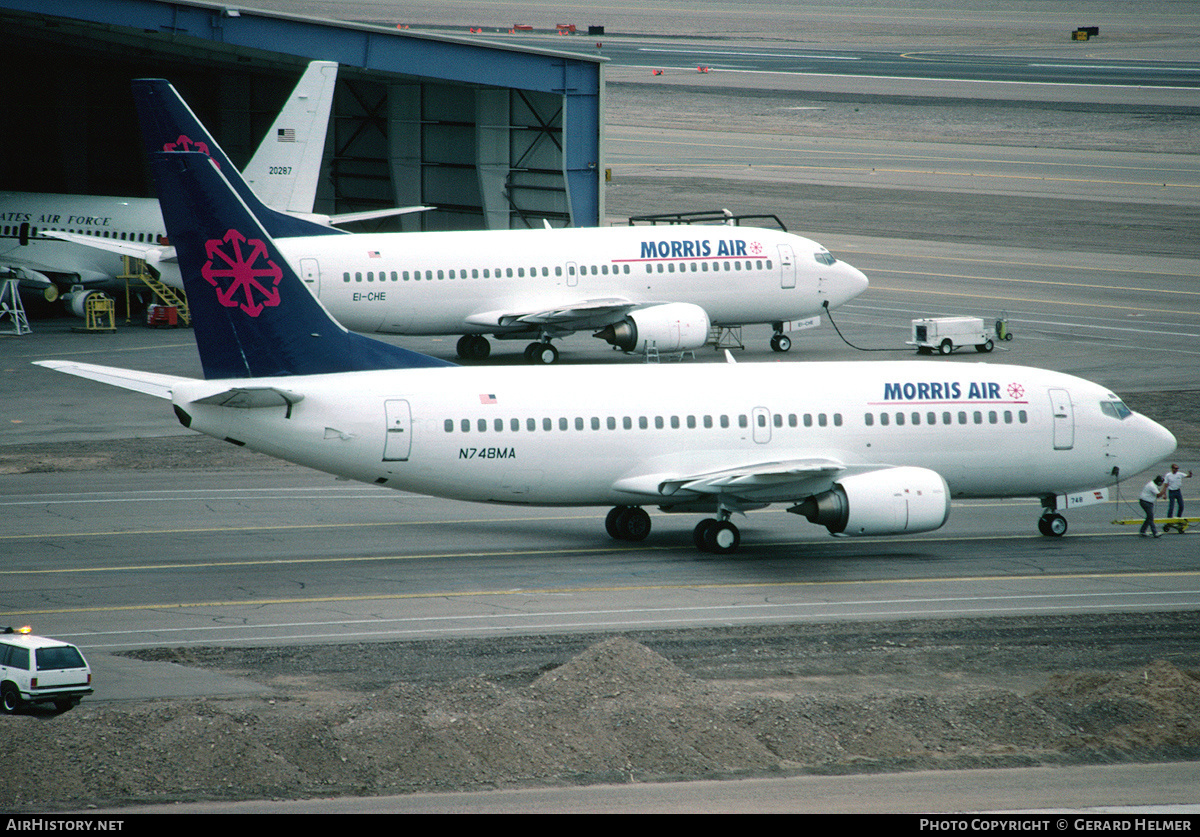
{"x":862,"y":448}
{"x":636,"y":287}
{"x":66,"y":240}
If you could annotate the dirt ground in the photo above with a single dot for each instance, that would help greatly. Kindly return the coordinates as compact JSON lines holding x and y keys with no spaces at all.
{"x":473,"y":714}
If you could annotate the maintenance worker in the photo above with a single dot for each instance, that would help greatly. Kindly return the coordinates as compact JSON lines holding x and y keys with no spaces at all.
{"x":1154,"y":490}
{"x":1174,"y":485}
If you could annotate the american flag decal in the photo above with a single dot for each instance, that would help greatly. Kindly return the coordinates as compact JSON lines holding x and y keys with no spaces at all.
{"x":487,"y":399}
{"x":285,"y":135}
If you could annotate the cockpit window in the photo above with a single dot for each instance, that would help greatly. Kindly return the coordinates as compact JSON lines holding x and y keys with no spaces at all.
{"x":824,"y":257}
{"x":1116,"y":409}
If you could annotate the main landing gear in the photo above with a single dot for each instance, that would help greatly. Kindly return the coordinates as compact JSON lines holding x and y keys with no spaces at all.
{"x":719,"y":537}
{"x":477,"y":347}
{"x":628,"y":523}
{"x":473,"y":347}
{"x":715,"y":535}
{"x":541,"y":353}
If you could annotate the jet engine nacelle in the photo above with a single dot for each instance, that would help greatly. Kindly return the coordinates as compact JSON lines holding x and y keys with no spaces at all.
{"x":673,"y":327}
{"x":891,"y":501}
{"x":77,"y":298}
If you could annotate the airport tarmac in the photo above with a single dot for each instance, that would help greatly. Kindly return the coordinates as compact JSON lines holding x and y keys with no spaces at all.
{"x":1095,"y":274}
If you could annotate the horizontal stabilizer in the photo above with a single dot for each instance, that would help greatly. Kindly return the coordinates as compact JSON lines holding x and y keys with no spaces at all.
{"x":148,"y":383}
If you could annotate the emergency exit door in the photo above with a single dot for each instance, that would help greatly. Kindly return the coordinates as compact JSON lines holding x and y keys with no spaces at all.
{"x":310,"y":272}
{"x":397,"y":443}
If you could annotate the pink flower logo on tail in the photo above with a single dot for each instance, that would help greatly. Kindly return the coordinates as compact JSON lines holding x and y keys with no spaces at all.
{"x":186,"y":143}
{"x":242,"y":274}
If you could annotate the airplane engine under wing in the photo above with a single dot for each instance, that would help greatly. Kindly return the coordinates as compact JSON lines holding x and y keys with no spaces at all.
{"x":890,"y":501}
{"x":672,"y":327}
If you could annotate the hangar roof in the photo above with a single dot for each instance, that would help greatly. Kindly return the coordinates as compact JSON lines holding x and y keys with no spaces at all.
{"x":247,"y":38}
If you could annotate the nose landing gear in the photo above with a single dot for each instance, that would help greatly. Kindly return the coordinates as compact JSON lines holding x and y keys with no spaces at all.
{"x":1052,"y":525}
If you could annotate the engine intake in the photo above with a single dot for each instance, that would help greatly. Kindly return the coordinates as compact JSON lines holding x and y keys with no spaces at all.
{"x":673,"y":327}
{"x":891,"y":501}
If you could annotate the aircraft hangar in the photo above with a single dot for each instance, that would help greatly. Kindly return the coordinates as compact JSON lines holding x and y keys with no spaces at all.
{"x":494,"y":137}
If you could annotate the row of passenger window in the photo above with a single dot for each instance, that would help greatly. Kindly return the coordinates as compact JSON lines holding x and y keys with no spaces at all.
{"x":963,"y":417}
{"x":703,"y":266}
{"x":559,"y":270}
{"x":142,"y":237}
{"x":481,"y":273}
{"x":641,"y":422}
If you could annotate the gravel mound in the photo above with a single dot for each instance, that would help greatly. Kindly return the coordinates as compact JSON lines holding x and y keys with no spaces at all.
{"x":616,"y":712}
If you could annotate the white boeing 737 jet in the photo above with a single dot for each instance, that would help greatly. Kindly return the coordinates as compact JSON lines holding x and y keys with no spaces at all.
{"x":636,"y":287}
{"x":862,"y":448}
{"x":60,"y":241}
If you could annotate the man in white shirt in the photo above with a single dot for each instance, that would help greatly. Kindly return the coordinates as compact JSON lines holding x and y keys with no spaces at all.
{"x":1153,"y":491}
{"x":1174,"y":485}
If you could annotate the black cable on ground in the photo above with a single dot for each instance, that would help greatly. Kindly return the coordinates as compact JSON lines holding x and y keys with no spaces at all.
{"x":828,"y":314}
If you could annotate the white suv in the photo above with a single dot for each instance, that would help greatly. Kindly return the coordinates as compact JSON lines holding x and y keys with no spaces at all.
{"x":34,"y":669}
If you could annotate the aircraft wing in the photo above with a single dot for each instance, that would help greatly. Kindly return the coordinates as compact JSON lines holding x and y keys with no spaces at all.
{"x":149,"y":383}
{"x":372,"y":214}
{"x":585,"y":313}
{"x":122,"y":248}
{"x":771,"y":481}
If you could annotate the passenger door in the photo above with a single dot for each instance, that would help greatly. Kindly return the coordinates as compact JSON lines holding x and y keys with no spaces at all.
{"x":787,"y":266}
{"x":1064,"y":419}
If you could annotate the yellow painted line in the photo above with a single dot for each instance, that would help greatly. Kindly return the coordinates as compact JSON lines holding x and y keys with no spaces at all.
{"x":832,"y":152}
{"x":615,"y":548}
{"x":1015,"y":262}
{"x":282,"y":527}
{"x":559,"y":591}
{"x":1080,"y":285}
{"x":1125,"y":308}
{"x":1091,"y":181}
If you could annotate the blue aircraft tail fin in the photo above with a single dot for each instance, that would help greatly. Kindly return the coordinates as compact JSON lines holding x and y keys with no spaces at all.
{"x":168,"y":124}
{"x":253,"y":316}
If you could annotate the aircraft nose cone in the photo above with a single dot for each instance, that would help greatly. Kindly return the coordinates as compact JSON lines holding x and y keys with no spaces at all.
{"x":1151,"y":444}
{"x":853,"y":283}
{"x":1162,"y":442}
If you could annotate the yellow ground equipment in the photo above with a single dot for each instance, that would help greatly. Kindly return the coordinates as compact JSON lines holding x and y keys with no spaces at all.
{"x":1179,"y":524}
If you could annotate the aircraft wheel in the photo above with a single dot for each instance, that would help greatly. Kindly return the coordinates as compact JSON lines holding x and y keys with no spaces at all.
{"x":985,"y":347}
{"x":473,"y":347}
{"x":627,"y":523}
{"x":700,"y":533}
{"x":722,"y":538}
{"x":946,"y":347}
{"x":610,"y":522}
{"x":781,"y":343}
{"x":634,"y":524}
{"x":1053,"y":525}
{"x":542,"y":354}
